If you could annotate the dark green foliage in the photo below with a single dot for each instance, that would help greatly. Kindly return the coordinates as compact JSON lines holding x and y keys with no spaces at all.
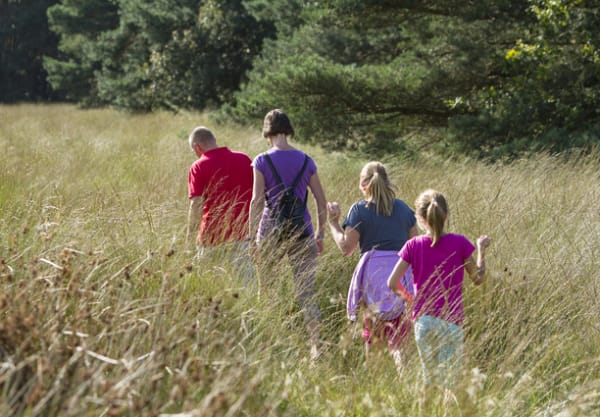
{"x":285,"y":15}
{"x":24,"y":39}
{"x":203,"y":64}
{"x":379,"y":76}
{"x":82,"y":26}
{"x":148,"y":55}
{"x":490,"y":78}
{"x":549,"y":94}
{"x":367,"y":75}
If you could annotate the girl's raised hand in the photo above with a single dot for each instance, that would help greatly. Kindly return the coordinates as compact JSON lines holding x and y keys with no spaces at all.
{"x":333,"y":211}
{"x":483,"y":241}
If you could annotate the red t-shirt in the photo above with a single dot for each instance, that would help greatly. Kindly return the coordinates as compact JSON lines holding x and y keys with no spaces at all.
{"x":223,"y":178}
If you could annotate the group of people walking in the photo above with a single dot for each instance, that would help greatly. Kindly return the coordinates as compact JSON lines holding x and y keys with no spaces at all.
{"x":234,"y":201}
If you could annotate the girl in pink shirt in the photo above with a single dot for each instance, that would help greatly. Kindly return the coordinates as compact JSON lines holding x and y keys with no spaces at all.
{"x":438,"y":261}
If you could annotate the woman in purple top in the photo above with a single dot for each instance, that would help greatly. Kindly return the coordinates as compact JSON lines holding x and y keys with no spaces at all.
{"x":438,"y":260}
{"x":379,"y":225}
{"x":301,"y":252}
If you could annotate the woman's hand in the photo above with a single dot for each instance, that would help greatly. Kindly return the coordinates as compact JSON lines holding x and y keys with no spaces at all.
{"x":319,"y":241}
{"x":253,"y":250}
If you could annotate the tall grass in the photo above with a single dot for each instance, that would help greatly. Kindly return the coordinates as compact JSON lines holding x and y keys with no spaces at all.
{"x":103,"y":310}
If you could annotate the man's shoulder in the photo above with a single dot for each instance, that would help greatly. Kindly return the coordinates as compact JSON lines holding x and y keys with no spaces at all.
{"x":241,"y":155}
{"x":236,"y":154}
{"x":196,"y":164}
{"x":218,"y":155}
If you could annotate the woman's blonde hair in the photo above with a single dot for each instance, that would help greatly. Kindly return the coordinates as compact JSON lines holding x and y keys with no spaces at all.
{"x":377,"y":187}
{"x":432,"y":207}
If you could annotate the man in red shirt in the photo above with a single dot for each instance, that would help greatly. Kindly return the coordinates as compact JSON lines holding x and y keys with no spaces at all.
{"x":220,"y":189}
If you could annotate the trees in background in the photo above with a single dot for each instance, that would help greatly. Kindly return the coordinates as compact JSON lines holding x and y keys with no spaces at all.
{"x":359,"y":74}
{"x":548,"y":96}
{"x":491,"y":78}
{"x":24,"y":40}
{"x":85,"y":29}
{"x":141,"y":55}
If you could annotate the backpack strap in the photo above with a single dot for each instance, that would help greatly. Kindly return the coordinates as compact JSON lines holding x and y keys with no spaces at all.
{"x":296,"y":180}
{"x":299,"y":176}
{"x":274,"y":170}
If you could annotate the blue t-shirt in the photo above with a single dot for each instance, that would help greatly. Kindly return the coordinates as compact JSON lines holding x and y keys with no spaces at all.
{"x":379,"y":231}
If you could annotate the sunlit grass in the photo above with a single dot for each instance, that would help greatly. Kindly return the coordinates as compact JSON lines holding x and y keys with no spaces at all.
{"x":105,"y":312}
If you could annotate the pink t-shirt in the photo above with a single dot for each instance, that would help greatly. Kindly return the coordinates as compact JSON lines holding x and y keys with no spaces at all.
{"x":438,"y":275}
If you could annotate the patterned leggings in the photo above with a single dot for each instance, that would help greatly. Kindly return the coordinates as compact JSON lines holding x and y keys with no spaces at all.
{"x":440,"y":345}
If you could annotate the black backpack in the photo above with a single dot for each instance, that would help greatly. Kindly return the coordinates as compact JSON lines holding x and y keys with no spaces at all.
{"x":288,"y":213}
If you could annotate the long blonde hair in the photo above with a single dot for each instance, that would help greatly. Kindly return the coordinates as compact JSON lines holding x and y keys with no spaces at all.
{"x":377,"y":187}
{"x":432,"y":207}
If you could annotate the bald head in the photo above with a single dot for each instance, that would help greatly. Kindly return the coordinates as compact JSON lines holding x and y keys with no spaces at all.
{"x":203,"y":137}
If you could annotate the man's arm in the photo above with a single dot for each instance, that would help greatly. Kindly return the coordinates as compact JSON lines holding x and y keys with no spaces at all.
{"x":257,"y":204}
{"x":194,"y":216}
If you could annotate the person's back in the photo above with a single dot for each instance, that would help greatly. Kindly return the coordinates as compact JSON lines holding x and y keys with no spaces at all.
{"x":301,"y":249}
{"x":438,"y":274}
{"x":380,"y":231}
{"x":379,"y":225}
{"x":288,"y":164}
{"x":220,"y":187}
{"x":439,"y":260}
{"x":227,"y":194}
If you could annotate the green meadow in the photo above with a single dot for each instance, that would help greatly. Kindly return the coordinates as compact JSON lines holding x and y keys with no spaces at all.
{"x":104,"y":312}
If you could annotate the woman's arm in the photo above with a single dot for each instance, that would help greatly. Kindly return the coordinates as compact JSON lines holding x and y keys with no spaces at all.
{"x":319,"y":195}
{"x":257,"y":204}
{"x":346,"y":239}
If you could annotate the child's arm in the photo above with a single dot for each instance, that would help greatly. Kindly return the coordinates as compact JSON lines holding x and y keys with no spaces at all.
{"x":346,"y":239}
{"x":477,"y":270}
{"x":394,"y":280}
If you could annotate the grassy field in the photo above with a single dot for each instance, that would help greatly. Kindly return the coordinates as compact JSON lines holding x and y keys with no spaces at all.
{"x":104,"y":313}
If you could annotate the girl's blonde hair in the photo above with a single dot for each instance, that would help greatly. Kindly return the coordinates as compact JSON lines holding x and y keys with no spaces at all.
{"x":432,"y":207}
{"x":377,"y":187}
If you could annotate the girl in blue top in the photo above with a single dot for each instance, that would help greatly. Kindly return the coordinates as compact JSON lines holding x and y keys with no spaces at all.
{"x":379,"y":225}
